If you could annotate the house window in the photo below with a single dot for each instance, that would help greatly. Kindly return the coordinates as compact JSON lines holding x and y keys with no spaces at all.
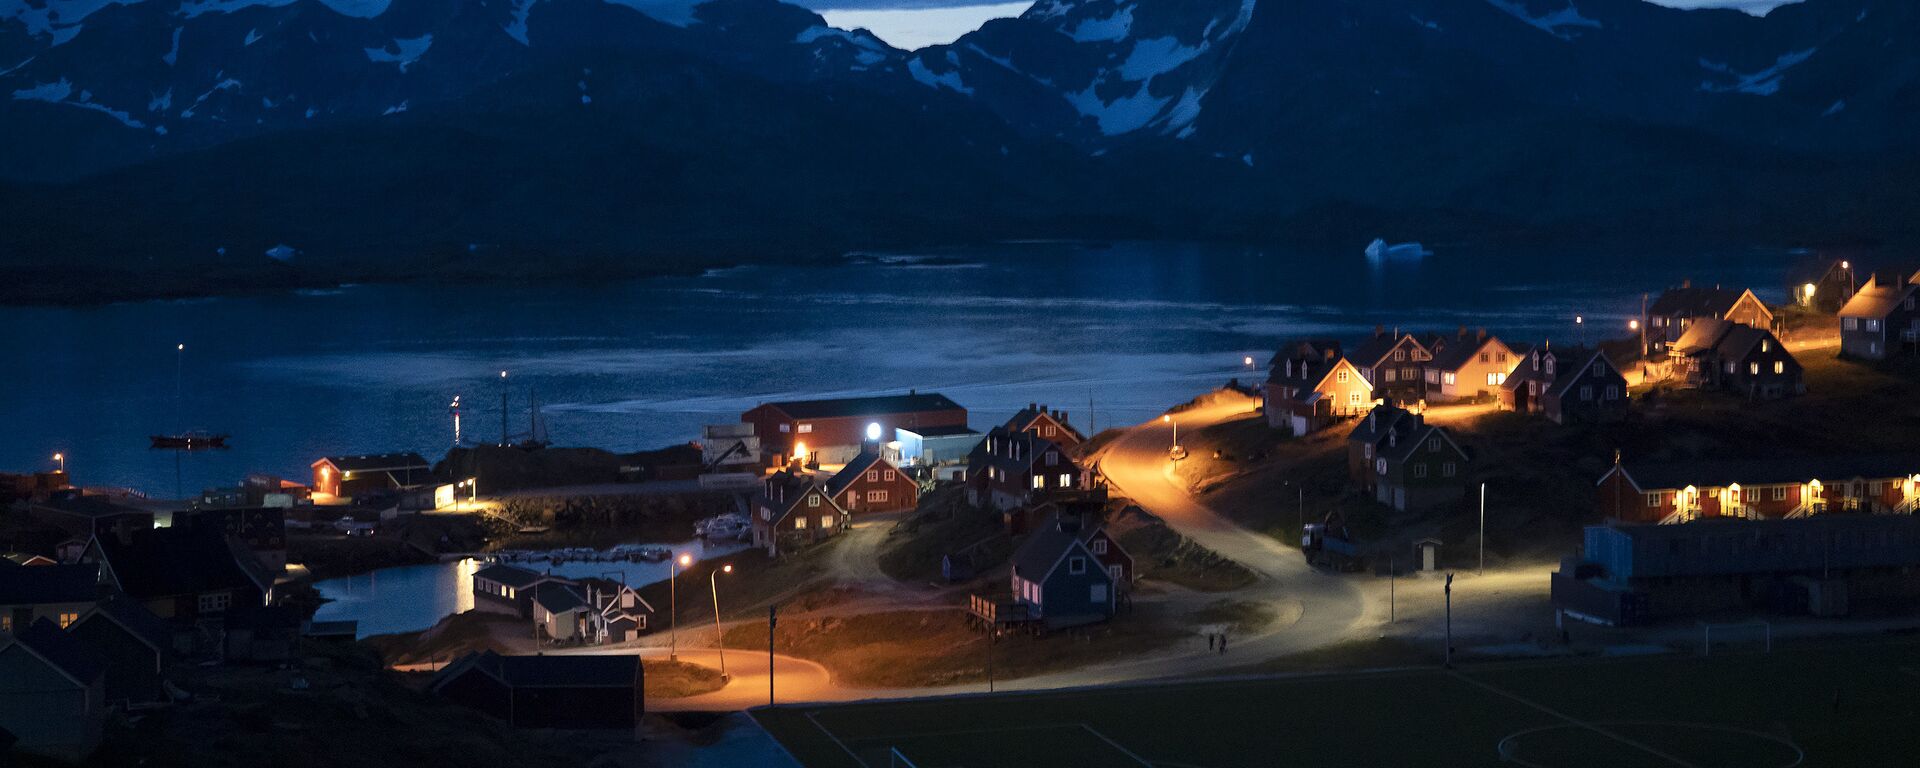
{"x":1873,"y":324}
{"x":1850,"y":324}
{"x":1366,"y":450}
{"x":1341,"y":377}
{"x":1076,"y":565}
{"x":1486,"y":358}
{"x":1500,"y":357}
{"x":1380,"y":465}
{"x":1097,"y":593}
{"x":1586,"y":391}
{"x":1449,"y":469}
{"x":215,"y":602}
{"x":67,"y":619}
{"x":1493,"y":379}
{"x":889,"y":475}
{"x":1433,"y":377}
{"x":1448,"y":378}
{"x":1353,"y":397}
{"x":1399,"y":355}
{"x":1407,"y":374}
{"x":805,"y":428}
{"x":1433,"y":443}
{"x":1613,"y":392}
{"x":800,"y":522}
{"x":1653,"y":499}
{"x":1766,"y":346}
{"x":1391,"y":375}
{"x":1051,"y":429}
{"x":1039,"y":482}
{"x":1753,"y":369}
{"x":1419,"y":470}
{"x":1779,"y":493}
{"x":876,"y":497}
{"x":1099,"y":546}
{"x":1779,"y":367}
{"x":6,"y":622}
{"x":826,"y":522}
{"x":1066,"y":480}
{"x":873,"y":475}
{"x":786,"y":427}
{"x":813,"y":501}
{"x":1731,"y":366}
{"x":1053,"y":459}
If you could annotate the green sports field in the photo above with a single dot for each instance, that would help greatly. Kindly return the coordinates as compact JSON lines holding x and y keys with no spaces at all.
{"x":1833,"y":705}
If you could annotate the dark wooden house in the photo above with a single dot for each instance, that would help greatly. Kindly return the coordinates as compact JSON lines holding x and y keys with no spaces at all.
{"x":1716,"y":354}
{"x":792,"y":511}
{"x":1575,"y":385}
{"x":1012,"y":469}
{"x":567,"y":692}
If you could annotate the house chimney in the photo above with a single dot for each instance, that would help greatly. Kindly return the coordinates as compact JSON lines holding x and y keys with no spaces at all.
{"x":1483,"y":334}
{"x":1462,"y":333}
{"x":1061,"y":415}
{"x":1033,"y":406}
{"x":1687,"y":283}
{"x":1379,"y":330}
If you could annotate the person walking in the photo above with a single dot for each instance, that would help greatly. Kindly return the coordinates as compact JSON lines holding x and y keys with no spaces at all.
{"x":1209,"y":641}
{"x":1223,"y":643}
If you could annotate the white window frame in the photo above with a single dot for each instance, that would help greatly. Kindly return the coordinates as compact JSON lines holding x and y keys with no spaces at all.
{"x":1076,"y":566}
{"x":806,"y":428}
{"x":813,"y":500}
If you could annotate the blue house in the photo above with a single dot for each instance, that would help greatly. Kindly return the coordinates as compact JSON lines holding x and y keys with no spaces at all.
{"x":1059,"y":581}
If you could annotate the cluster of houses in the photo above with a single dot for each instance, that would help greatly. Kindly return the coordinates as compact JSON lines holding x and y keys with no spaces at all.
{"x":94,"y":623}
{"x":565,"y":611}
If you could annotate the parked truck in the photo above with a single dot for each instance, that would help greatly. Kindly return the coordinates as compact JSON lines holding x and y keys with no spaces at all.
{"x":1329,"y":546}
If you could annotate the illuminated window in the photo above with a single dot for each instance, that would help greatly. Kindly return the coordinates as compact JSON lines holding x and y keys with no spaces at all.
{"x":813,"y":501}
{"x":1039,"y":482}
{"x":67,"y":619}
{"x":805,"y":428}
{"x":6,"y":622}
{"x":826,"y":522}
{"x":1779,"y":366}
{"x":1341,"y":376}
{"x":876,"y":497}
{"x":1766,"y":346}
{"x":1066,"y":480}
{"x":800,"y":522}
{"x":1433,"y":377}
{"x":1449,"y":378}
{"x":1873,"y":324}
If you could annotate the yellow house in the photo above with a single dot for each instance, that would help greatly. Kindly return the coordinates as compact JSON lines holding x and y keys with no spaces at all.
{"x":1469,"y":368}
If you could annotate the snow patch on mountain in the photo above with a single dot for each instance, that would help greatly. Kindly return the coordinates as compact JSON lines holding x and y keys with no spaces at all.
{"x":870,"y":51}
{"x":396,"y":109}
{"x":1105,"y":30}
{"x":1158,"y":56}
{"x":1123,"y":115}
{"x":403,"y":51}
{"x":61,"y":92}
{"x":162,"y":102}
{"x":282,"y":252}
{"x":517,"y":29}
{"x":226,"y":84}
{"x":59,"y":19}
{"x":1765,"y":82}
{"x":173,"y":53}
{"x":1564,"y":23}
{"x":949,"y":79}
{"x":359,"y":9}
{"x":253,"y":36}
{"x":1835,"y":109}
{"x":16,"y":67}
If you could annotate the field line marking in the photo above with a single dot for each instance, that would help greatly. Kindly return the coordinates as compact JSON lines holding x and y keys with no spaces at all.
{"x":836,"y":740}
{"x":1576,"y":721}
{"x":1116,"y":745}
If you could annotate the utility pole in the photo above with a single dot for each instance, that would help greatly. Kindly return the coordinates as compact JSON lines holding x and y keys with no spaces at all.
{"x":1449,"y":653}
{"x":1483,"y":530}
{"x":503,"y":407}
{"x":1644,"y":352}
{"x":1393,"y":577}
{"x":772,"y":615}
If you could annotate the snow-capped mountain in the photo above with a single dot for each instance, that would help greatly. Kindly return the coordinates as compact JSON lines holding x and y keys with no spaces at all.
{"x":542,"y":135}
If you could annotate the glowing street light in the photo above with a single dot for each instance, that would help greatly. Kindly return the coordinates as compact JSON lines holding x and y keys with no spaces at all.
{"x":1633,"y":325}
{"x":1168,"y":419}
{"x":720,"y":638}
{"x":673,"y":596}
{"x":1247,"y":361}
{"x":62,"y":458}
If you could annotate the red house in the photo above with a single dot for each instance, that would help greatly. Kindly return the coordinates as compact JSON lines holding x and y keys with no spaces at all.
{"x":791,"y":511}
{"x":1047,"y":423}
{"x":1112,"y":557}
{"x":870,"y":483}
{"x":1013,"y":469}
{"x":834,"y":431}
{"x":1759,"y":489}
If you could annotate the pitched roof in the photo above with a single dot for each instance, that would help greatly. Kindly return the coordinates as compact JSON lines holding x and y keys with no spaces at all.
{"x":947,"y":430}
{"x":1305,"y":348}
{"x":1382,"y":421}
{"x":1027,"y":415}
{"x":558,"y":597}
{"x":569,"y":671}
{"x":783,"y":490}
{"x":375,"y":462}
{"x":852,"y":470}
{"x":1740,"y":340}
{"x":1775,"y":471}
{"x":1377,"y":347}
{"x":1017,"y":457}
{"x":1461,"y":352}
{"x":512,"y":576}
{"x":42,"y":585}
{"x":1404,"y":448}
{"x":1703,"y":335}
{"x":65,"y":652}
{"x":26,"y":558}
{"x":1877,"y":299}
{"x":163,"y":562}
{"x":1696,"y":302}
{"x":866,"y":406}
{"x":1042,"y":549}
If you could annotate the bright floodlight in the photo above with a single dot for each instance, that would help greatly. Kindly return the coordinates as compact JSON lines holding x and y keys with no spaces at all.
{"x":686,"y":560}
{"x":873,"y":431}
{"x":180,"y":347}
{"x":728,"y":568}
{"x":1166,"y":418}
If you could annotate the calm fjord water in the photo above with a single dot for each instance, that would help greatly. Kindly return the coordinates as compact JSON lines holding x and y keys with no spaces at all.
{"x":629,"y":365}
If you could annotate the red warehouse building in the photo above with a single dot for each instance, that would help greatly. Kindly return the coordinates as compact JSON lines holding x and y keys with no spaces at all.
{"x":833,"y":431}
{"x":1762,"y":489}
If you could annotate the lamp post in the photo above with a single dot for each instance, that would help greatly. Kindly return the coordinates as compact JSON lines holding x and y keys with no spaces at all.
{"x":673,"y":597}
{"x":1448,"y":658}
{"x":719,"y":637}
{"x":1168,"y":418}
{"x":62,"y":458}
{"x":1483,"y":530}
{"x":1580,"y":322}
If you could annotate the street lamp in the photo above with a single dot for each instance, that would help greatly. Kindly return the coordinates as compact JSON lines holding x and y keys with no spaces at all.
{"x":673,"y":597}
{"x":62,"y":458}
{"x":720,"y":639}
{"x":1247,"y":361}
{"x":1168,"y":419}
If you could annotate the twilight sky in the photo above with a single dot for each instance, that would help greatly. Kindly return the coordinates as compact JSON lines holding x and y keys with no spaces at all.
{"x":914,"y":24}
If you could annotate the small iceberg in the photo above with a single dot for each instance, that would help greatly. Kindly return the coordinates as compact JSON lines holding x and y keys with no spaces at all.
{"x":1379,"y":249}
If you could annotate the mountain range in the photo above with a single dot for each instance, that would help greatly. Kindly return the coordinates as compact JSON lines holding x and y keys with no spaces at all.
{"x":161,"y":147}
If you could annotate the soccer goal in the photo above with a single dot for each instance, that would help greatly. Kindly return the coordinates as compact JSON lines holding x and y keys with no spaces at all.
{"x":1741,"y":635}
